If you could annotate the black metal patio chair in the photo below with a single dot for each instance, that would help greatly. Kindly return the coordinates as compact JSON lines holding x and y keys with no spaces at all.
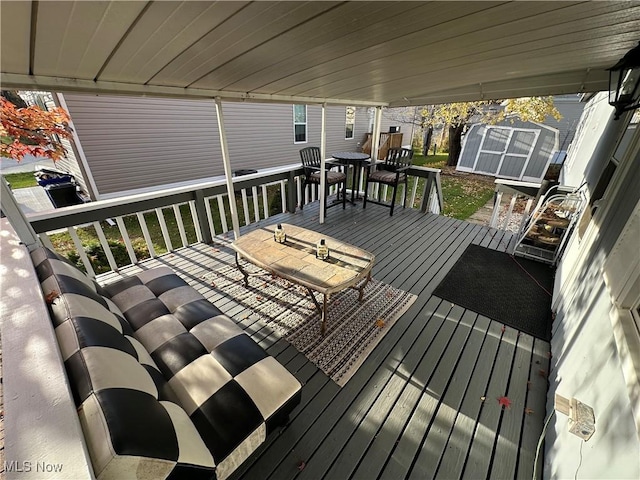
{"x":392,"y":172}
{"x":310,"y":157}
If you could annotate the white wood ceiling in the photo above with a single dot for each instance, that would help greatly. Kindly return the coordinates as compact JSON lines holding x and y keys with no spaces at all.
{"x":395,"y":53}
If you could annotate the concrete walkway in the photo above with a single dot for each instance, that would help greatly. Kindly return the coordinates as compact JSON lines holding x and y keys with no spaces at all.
{"x":28,"y":164}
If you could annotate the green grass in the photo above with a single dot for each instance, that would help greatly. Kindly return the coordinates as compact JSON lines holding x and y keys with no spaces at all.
{"x":21,"y":180}
{"x":463,"y":197}
{"x":434,"y":161}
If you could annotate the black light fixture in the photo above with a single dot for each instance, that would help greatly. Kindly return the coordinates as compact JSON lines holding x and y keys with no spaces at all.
{"x":624,"y":82}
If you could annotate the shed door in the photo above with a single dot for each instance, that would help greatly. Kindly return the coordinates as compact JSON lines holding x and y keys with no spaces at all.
{"x":505,"y":151}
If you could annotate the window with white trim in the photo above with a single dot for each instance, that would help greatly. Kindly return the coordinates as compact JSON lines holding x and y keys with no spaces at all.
{"x":299,"y":124}
{"x":350,"y":123}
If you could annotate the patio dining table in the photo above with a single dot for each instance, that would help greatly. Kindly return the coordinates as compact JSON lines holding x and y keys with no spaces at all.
{"x":356,"y":159}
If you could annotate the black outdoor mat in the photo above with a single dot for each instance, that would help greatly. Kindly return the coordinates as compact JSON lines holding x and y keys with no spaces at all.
{"x":511,"y":290}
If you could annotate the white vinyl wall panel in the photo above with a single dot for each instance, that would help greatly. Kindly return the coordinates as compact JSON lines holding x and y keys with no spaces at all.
{"x":134,"y":142}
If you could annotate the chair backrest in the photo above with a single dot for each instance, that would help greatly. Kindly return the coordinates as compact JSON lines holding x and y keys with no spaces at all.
{"x":397,"y":158}
{"x":310,"y":157}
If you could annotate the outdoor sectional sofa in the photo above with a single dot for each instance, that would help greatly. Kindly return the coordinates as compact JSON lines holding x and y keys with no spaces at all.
{"x":165,"y":385}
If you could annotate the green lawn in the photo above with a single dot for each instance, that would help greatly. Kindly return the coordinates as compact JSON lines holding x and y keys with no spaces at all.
{"x":21,"y":180}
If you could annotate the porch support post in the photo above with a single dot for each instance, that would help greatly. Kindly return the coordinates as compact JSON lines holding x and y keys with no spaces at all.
{"x":323,"y":156}
{"x":377,"y":124}
{"x":19,"y":222}
{"x":227,"y":169}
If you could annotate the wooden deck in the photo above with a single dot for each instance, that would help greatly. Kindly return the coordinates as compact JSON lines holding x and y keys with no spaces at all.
{"x":424,"y":404}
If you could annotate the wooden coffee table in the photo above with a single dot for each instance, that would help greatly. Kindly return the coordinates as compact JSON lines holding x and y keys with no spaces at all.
{"x":295,"y":260}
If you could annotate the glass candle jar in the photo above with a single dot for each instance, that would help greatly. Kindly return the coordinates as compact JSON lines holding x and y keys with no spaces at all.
{"x":322,"y":251}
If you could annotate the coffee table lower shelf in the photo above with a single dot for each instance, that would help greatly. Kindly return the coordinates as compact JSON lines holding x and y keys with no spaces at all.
{"x":322,"y":309}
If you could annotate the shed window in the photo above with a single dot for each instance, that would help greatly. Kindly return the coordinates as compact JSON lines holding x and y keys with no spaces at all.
{"x":350,"y":122}
{"x":299,"y":124}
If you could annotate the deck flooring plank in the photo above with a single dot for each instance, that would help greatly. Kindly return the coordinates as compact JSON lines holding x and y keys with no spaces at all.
{"x":370,"y":374}
{"x":420,"y":248}
{"x":452,"y":461}
{"x":401,"y":435}
{"x":536,"y":401}
{"x":479,"y":456}
{"x":399,"y":395}
{"x":351,"y":432}
{"x":434,"y":444}
{"x":447,"y":255}
{"x":505,"y":450}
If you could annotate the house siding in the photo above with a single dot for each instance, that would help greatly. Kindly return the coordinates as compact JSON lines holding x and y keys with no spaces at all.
{"x":120,"y":135}
{"x":586,"y":362}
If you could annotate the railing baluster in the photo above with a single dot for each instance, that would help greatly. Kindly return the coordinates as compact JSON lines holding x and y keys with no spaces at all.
{"x":265,"y":202}
{"x":505,"y":223}
{"x":223,"y":214}
{"x":127,"y":241}
{"x":414,"y":191}
{"x":245,"y":207}
{"x":145,"y":234}
{"x":283,"y":196}
{"x":46,"y":241}
{"x":299,"y":191}
{"x":81,"y":253}
{"x":183,"y":234}
{"x":207,"y":207}
{"x":196,"y":222}
{"x":164,"y":230}
{"x":256,"y":203}
{"x":105,"y":246}
{"x":525,"y":215}
{"x":496,"y":210}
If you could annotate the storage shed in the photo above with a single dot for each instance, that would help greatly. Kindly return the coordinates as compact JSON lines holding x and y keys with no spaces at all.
{"x":511,"y":149}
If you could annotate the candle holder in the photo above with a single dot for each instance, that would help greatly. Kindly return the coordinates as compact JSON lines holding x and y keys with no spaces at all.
{"x":322,"y":251}
{"x":279,"y":235}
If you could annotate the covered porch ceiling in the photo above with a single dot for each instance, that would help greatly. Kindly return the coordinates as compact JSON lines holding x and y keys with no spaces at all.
{"x":384,"y":53}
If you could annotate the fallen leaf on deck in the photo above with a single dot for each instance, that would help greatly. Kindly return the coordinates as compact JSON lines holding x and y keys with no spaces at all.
{"x":213,"y":284}
{"x":528,"y":411}
{"x":483,"y":398}
{"x":542,"y":373}
{"x":504,"y":402}
{"x":258,"y":298}
{"x":529,"y":385}
{"x":504,"y":327}
{"x":302,"y":465}
{"x":51,"y":297}
{"x":380,"y":323}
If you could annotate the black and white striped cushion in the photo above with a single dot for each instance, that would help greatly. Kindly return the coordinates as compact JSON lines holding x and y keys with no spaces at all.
{"x":128,"y":412}
{"x":233,"y":391}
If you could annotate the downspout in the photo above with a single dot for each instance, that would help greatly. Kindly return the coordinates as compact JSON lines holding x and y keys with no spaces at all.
{"x":224,"y":147}
{"x":81,"y":158}
{"x":323,"y":156}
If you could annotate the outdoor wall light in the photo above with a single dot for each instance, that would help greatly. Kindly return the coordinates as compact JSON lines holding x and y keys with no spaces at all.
{"x":624,"y":83}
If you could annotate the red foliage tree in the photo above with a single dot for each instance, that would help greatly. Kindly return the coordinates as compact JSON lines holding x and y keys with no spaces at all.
{"x":32,"y":131}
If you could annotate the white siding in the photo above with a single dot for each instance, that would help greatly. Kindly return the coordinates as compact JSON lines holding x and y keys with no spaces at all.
{"x":134,"y":142}
{"x":586,"y":361}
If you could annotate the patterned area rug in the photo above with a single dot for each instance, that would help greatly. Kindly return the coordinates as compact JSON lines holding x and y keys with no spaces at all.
{"x":353,"y":328}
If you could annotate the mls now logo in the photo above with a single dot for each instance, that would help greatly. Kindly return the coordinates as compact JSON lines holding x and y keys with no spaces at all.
{"x":26,"y":467}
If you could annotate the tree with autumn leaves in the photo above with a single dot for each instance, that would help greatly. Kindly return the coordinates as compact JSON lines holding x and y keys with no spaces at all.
{"x":33,"y":131}
{"x":457,"y":116}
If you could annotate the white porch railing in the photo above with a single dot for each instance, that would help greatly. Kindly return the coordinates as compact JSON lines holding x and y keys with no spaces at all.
{"x":178,"y":217}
